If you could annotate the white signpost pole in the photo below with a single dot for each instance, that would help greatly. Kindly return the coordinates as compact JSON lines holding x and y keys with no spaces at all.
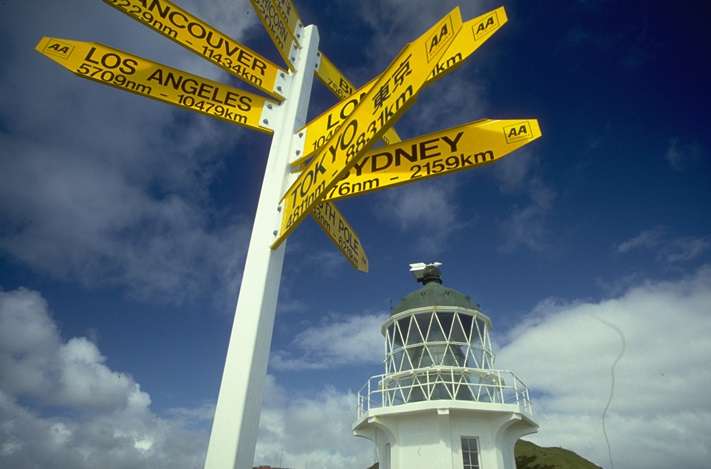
{"x":235,"y":425}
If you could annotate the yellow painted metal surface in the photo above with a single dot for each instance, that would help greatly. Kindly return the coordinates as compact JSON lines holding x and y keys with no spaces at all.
{"x":341,"y":233}
{"x":206,"y":41}
{"x":474,"y":33}
{"x":138,"y":75}
{"x":277,"y":29}
{"x":339,"y":85}
{"x":389,"y":97}
{"x":290,"y":17}
{"x":467,"y":146}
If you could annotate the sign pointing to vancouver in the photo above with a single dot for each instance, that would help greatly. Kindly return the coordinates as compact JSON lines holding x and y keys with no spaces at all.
{"x":445,"y":152}
{"x":206,"y":41}
{"x":474,"y":33}
{"x":388,"y":98}
{"x":137,"y":75}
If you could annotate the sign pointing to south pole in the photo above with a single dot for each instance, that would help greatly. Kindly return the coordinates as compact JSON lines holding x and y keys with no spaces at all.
{"x":389,"y":97}
{"x":206,"y":41}
{"x":467,"y":146}
{"x":473,"y":34}
{"x":137,"y":75}
{"x":341,"y":233}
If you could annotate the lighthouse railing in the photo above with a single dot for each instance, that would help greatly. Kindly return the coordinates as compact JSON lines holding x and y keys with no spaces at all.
{"x":448,"y":383}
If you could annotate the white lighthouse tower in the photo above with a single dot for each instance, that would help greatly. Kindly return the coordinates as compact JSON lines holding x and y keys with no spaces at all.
{"x":441,"y":404}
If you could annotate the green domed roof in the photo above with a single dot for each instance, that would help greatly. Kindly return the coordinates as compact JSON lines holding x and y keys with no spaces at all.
{"x":433,"y":294}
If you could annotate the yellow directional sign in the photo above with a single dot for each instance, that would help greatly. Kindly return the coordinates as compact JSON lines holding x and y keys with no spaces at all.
{"x":137,"y":75}
{"x":444,"y":152}
{"x":341,"y":233}
{"x":473,"y":34}
{"x":277,"y":29}
{"x":289,"y":16}
{"x":389,"y":97}
{"x":339,"y":85}
{"x":177,"y":24}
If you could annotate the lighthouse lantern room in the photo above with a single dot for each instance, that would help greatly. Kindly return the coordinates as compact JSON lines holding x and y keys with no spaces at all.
{"x":441,"y":403}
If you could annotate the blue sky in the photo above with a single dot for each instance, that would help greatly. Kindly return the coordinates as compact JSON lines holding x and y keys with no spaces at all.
{"x":124,"y":225}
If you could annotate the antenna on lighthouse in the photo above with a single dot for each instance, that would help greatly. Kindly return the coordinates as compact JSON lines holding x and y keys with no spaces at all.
{"x":426,"y":273}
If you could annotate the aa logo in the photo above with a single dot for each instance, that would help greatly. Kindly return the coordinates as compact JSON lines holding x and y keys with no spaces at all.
{"x":440,"y":38}
{"x":518,"y":132}
{"x":59,"y":49}
{"x":486,"y":26}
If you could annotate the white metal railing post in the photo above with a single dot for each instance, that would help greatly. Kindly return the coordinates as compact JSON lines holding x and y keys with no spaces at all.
{"x":236,"y":422}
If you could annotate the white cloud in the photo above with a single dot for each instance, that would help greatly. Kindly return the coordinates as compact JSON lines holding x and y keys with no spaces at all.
{"x":102,"y":186}
{"x":668,"y":249}
{"x":427,"y":211}
{"x":527,"y":225}
{"x":336,"y":342}
{"x":660,"y":415}
{"x":680,"y":155}
{"x":62,"y":407}
{"x":310,"y":431}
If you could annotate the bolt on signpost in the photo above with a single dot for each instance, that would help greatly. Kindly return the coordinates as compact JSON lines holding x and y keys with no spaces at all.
{"x":309,"y":164}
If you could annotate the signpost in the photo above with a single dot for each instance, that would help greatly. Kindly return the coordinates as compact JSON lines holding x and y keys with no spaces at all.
{"x":307,"y":169}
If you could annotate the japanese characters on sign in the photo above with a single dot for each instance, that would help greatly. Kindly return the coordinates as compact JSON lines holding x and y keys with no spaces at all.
{"x":389,"y":97}
{"x":177,"y":24}
{"x":444,"y":152}
{"x":341,"y":233}
{"x":474,"y":33}
{"x":137,"y":75}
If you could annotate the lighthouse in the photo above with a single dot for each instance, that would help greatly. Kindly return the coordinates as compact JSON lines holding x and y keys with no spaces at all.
{"x":441,"y":402}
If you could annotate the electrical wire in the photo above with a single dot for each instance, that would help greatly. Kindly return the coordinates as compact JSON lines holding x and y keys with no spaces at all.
{"x":612,"y":384}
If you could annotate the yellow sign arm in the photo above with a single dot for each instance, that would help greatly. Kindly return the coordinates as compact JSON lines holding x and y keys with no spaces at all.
{"x":387,"y":100}
{"x":153,"y":80}
{"x":341,"y":233}
{"x":467,"y":146}
{"x":277,"y":29}
{"x":339,"y":85}
{"x":474,"y":33}
{"x":290,"y":17}
{"x":206,"y":41}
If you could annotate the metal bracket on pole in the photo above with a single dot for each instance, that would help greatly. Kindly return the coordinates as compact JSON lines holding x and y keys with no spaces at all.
{"x":235,"y":426}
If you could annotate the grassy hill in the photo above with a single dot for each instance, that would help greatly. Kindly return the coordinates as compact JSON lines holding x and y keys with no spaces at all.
{"x":531,"y":456}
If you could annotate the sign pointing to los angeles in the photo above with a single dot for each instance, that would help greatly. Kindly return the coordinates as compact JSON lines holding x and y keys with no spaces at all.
{"x":206,"y":41}
{"x":137,"y":75}
{"x":388,"y":98}
{"x":308,"y":169}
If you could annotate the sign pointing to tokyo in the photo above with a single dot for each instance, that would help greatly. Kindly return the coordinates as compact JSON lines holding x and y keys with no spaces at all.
{"x":388,"y":98}
{"x":317,"y":132}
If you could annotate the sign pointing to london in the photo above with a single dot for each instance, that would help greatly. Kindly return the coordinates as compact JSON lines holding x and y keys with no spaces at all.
{"x":445,"y":152}
{"x":473,"y":34}
{"x":206,"y":41}
{"x":137,"y":75}
{"x":388,"y":98}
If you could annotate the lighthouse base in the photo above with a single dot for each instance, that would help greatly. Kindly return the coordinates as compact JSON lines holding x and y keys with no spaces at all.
{"x":445,"y":434}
